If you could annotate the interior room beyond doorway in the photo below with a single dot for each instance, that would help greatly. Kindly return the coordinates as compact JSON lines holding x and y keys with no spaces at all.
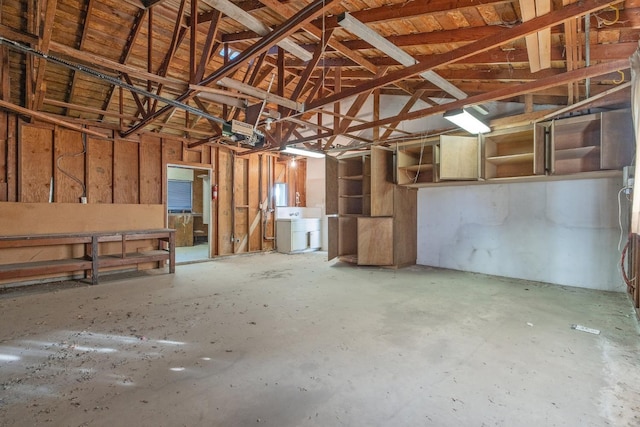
{"x":189,"y":211}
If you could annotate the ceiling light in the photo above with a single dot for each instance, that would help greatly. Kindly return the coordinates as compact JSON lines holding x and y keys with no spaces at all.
{"x":466,"y":120}
{"x":372,"y":37}
{"x":307,"y":153}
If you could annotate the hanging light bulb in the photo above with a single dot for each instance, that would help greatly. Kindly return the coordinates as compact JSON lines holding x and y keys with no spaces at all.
{"x":293,"y":163}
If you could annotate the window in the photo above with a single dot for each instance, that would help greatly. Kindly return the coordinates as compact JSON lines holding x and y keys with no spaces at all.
{"x":233,"y":54}
{"x":179,"y":195}
{"x":281,"y":194}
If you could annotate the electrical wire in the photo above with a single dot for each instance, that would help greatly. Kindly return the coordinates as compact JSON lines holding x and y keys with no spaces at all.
{"x":81,"y":153}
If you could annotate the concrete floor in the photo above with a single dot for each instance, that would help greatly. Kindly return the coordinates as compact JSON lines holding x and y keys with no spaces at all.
{"x":187,"y":254}
{"x":281,"y":340}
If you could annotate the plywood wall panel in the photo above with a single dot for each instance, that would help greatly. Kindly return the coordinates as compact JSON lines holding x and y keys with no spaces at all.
{"x":225,"y":212}
{"x":36,"y":158}
{"x":69,"y":164}
{"x":171,"y":150}
{"x":125,"y":172}
{"x":3,"y":157}
{"x":150,"y":170}
{"x":193,"y":156}
{"x":12,"y":158}
{"x":99,"y":170}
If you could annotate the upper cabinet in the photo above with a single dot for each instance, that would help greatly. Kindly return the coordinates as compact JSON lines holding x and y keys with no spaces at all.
{"x":516,"y":152}
{"x":446,"y":158}
{"x":574,"y":145}
{"x":459,"y":157}
{"x":600,"y":141}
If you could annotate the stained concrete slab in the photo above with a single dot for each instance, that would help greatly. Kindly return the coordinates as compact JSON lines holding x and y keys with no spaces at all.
{"x":293,"y":340}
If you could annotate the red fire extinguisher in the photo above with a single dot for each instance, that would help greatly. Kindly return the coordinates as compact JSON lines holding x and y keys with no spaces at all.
{"x":214,"y":192}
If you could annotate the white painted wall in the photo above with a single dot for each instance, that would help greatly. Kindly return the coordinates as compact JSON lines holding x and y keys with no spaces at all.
{"x":316,"y":192}
{"x":561,"y":232}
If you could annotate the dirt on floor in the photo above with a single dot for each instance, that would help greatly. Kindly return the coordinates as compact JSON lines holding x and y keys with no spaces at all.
{"x":294,"y":340}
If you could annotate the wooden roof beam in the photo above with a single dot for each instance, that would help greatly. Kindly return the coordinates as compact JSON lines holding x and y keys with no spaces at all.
{"x":47,"y":30}
{"x":249,"y":21}
{"x":289,"y":27}
{"x":471,"y":49}
{"x":508,"y":92}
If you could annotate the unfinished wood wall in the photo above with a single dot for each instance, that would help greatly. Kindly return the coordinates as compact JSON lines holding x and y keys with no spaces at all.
{"x":112,"y":170}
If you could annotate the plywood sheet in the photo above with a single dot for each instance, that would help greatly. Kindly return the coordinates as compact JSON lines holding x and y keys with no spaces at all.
{"x":42,"y":218}
{"x":126,"y":169}
{"x":193,"y":156}
{"x":150,"y":170}
{"x":171,"y":150}
{"x":36,"y":163}
{"x":617,"y":139}
{"x":12,"y":158}
{"x":405,"y":235}
{"x":381,"y":182}
{"x":459,"y":158}
{"x":99,"y":170}
{"x":69,"y":166}
{"x":331,"y":186}
{"x":375,"y":241}
{"x":3,"y":156}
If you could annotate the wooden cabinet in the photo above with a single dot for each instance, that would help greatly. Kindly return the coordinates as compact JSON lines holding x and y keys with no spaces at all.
{"x":575,"y":145}
{"x":416,"y":163}
{"x":446,"y":158}
{"x":374,"y":220}
{"x":514,"y":152}
{"x":459,"y":158}
{"x":592,"y":142}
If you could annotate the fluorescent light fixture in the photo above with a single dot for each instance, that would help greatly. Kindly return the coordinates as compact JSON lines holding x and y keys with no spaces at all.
{"x":466,"y":120}
{"x":372,"y":37}
{"x":307,"y":153}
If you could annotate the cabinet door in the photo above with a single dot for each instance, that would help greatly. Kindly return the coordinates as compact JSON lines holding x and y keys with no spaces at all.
{"x":331,"y":185}
{"x":375,"y":241}
{"x":618,"y":139}
{"x":381,"y":182}
{"x":333,"y":230}
{"x":459,"y":157}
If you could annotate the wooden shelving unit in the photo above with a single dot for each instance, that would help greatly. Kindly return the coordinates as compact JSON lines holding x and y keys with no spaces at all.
{"x":584,"y":145}
{"x":417,"y":163}
{"x":374,"y":220}
{"x":512,"y":153}
{"x":592,"y":142}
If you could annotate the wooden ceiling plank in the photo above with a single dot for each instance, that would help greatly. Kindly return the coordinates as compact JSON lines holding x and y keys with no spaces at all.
{"x":47,"y":31}
{"x":47,"y":118}
{"x":289,"y":27}
{"x":471,"y":49}
{"x":410,"y":10}
{"x":126,"y":52}
{"x":90,"y":110}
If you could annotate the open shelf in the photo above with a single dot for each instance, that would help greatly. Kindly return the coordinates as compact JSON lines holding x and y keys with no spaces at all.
{"x":513,"y":158}
{"x":510,"y":153}
{"x":575,"y":153}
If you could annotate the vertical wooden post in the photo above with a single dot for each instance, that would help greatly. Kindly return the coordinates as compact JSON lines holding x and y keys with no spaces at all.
{"x":94,"y":259}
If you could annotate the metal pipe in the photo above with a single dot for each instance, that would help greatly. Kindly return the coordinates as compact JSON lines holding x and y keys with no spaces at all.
{"x":587,"y":53}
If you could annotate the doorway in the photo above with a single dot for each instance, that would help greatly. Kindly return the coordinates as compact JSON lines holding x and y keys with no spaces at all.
{"x":189,"y":211}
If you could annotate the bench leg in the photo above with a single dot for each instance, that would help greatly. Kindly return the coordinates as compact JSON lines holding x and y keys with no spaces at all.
{"x":172,"y":252}
{"x":94,"y":260}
